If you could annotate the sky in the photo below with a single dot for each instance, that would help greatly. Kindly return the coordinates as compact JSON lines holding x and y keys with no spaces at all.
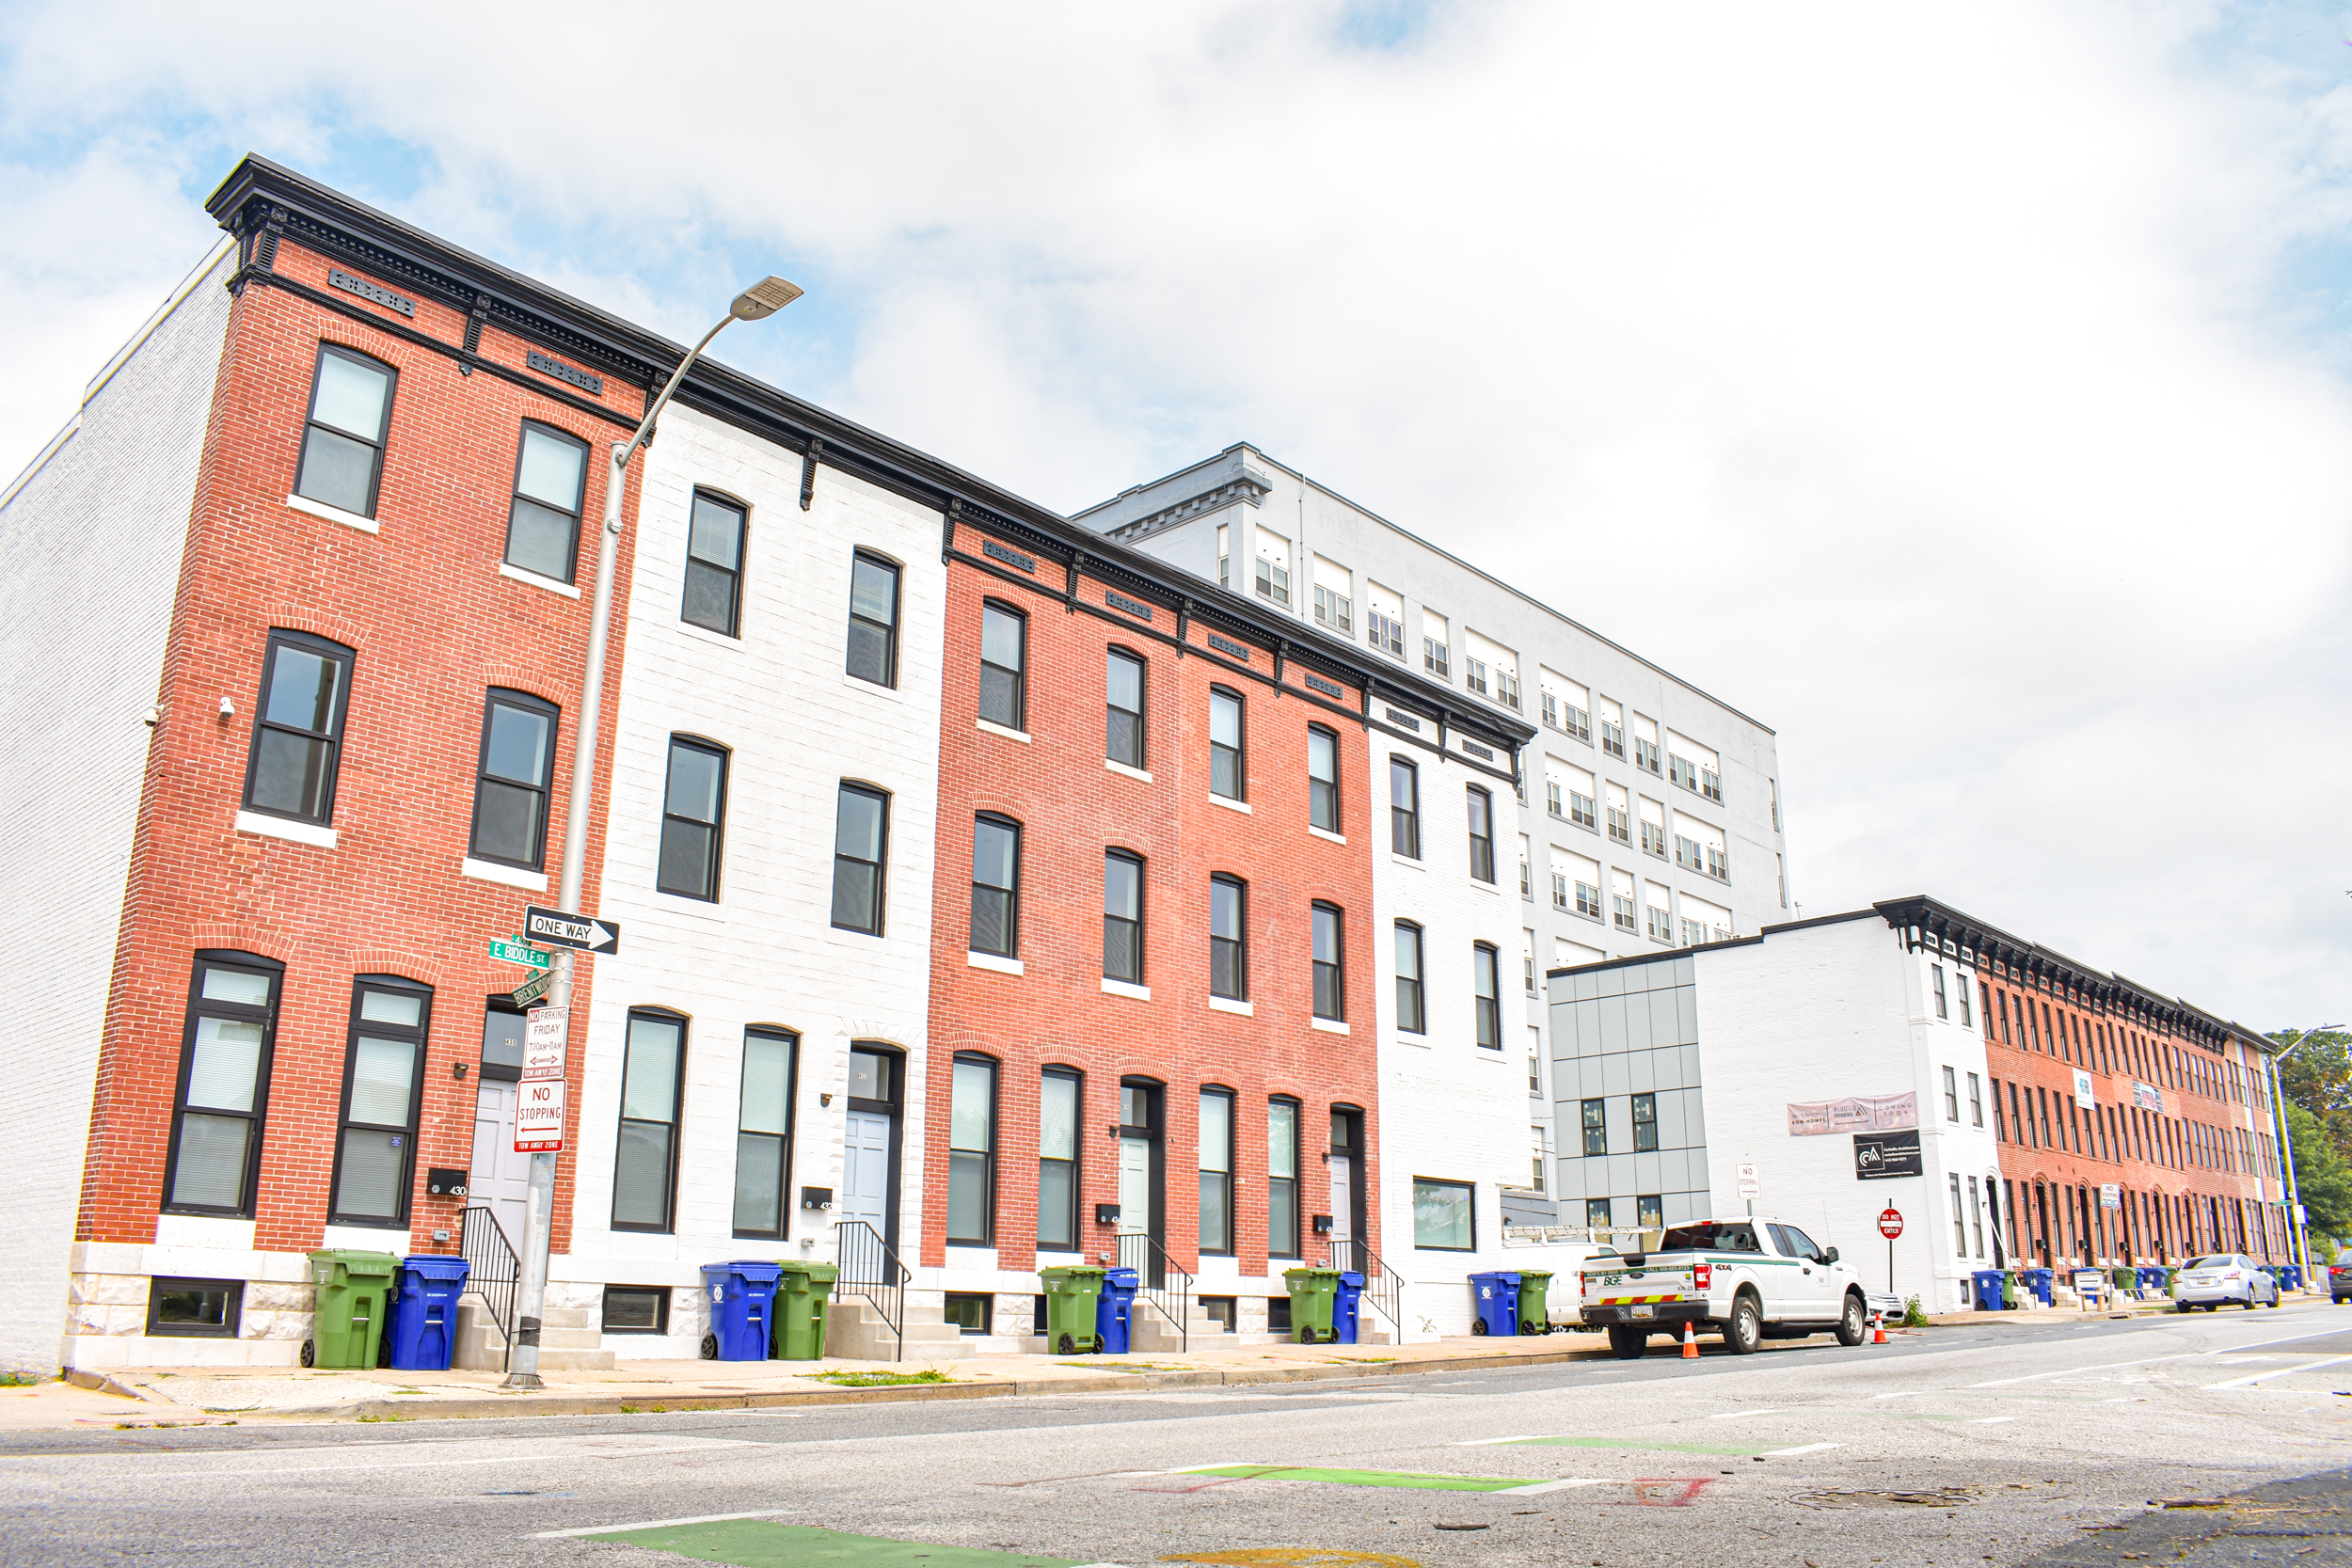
{"x":1963,"y":392}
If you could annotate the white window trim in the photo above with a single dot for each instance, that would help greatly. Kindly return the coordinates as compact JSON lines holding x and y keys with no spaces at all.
{"x":1230,"y":803}
{"x":1022,"y":735}
{"x":704,"y":634}
{"x":1330,"y":1025}
{"x":1124,"y":771}
{"x":990,"y":961}
{"x":509,"y":876}
{"x":334,"y":514}
{"x":1327,"y":833}
{"x":1227,"y":1004}
{"x":518,"y":574}
{"x":279,"y":826}
{"x":1407,"y":859}
{"x":1121,"y":988}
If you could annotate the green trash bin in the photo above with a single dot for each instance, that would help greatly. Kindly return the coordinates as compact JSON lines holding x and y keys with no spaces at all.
{"x":1534,"y":1317}
{"x":798,"y":1315}
{"x":2126,"y":1282}
{"x":1072,"y":1290}
{"x":1313,"y":1292}
{"x":2008,"y":1290}
{"x":347,"y":1327}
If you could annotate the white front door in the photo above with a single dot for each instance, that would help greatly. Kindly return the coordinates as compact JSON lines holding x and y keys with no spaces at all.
{"x":1135,"y":1186}
{"x":500,"y":1179}
{"x":1342,"y":1213}
{"x":865,"y":1172}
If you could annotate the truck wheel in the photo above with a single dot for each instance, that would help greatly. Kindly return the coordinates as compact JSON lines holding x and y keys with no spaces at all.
{"x":1745,"y":1331}
{"x":1627,"y":1344}
{"x":1851,"y":1328}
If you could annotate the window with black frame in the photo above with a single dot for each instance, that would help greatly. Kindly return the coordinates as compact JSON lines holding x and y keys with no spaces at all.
{"x":972,"y":1152}
{"x":1645,"y":1123}
{"x":224,"y":1085}
{"x":1411,"y":1016}
{"x":1322,"y":779}
{"x":1404,"y":808}
{"x":644,"y":1169}
{"x":1329,"y":943}
{"x":1122,"y":700}
{"x":1444,"y":1215}
{"x":1281,"y":1169}
{"x":383,"y":1083}
{"x":1485,"y":981}
{"x":873,"y":619}
{"x":714,"y":565}
{"x":860,"y":846}
{"x":1594,"y":1114}
{"x":693,"y":820}
{"x":344,"y":438}
{"x":1481,"y":834}
{"x":1227,"y":775}
{"x":550,"y":486}
{"x":1228,"y":960}
{"x":1123,"y":917}
{"x":510,"y":802}
{"x":298,"y":728}
{"x":1004,"y":666}
{"x":1059,"y":1091}
{"x":194,"y":1308}
{"x":1216,"y":1171}
{"x":763,"y":1134}
{"x":996,"y":886}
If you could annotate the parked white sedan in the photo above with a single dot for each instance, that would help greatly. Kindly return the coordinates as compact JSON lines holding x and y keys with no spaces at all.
{"x":2207,"y":1282}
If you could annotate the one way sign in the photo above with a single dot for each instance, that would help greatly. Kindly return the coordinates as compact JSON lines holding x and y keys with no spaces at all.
{"x":582,"y":932}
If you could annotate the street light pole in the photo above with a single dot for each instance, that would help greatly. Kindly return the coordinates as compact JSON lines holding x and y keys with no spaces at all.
{"x":2286,"y":1146}
{"x":761,"y":300}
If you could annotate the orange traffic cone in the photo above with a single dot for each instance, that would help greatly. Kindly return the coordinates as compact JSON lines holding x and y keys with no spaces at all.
{"x":1878,"y":1328}
{"x":1690,"y":1344}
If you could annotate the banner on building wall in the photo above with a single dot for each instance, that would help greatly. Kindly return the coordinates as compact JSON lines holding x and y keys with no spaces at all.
{"x":2148,"y":1097}
{"x":2083,"y":1095}
{"x":1876,"y":1113}
{"x":1880,"y":1155}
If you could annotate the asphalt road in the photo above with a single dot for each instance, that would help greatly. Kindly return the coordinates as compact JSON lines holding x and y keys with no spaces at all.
{"x":1956,"y":1445}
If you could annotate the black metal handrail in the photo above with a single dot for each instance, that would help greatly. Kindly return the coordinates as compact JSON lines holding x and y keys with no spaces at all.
{"x":1165,"y":1287}
{"x":869,"y":1269}
{"x":1384,"y":1288}
{"x":492,"y":1270}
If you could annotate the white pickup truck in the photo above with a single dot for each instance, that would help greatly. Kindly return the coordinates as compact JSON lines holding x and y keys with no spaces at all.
{"x":1747,"y":1279}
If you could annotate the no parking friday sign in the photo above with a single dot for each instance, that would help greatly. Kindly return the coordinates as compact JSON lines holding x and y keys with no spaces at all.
{"x":539,"y":1108}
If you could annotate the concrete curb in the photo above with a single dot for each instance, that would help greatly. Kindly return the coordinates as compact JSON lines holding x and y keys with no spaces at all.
{"x":612,"y":1405}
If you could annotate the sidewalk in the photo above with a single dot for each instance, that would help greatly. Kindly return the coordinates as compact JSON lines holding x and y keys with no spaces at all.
{"x":214,"y":1395}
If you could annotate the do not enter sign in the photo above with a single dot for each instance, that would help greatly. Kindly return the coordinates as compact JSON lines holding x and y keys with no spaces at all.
{"x":1890,"y":1223}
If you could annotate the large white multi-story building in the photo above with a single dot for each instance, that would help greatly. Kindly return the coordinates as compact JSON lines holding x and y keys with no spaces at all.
{"x":1648,"y":813}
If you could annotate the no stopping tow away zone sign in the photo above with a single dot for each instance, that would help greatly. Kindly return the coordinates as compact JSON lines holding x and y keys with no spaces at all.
{"x":539,"y":1103}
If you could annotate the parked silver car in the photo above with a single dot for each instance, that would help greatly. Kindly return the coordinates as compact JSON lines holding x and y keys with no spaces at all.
{"x":2207,"y":1282}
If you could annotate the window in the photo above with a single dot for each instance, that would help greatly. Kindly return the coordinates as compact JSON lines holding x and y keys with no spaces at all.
{"x":1976,"y":1102}
{"x":1487,"y":983}
{"x":1385,"y":632}
{"x":1273,"y":582}
{"x":510,"y":798}
{"x":1322,"y":779}
{"x":1588,"y":900}
{"x":1613,"y":738}
{"x":1123,"y":917}
{"x":223,"y":1083}
{"x":861,"y":841}
{"x":1595,"y":1116}
{"x":1661,"y":926}
{"x":1654,"y":838}
{"x":1645,"y":1124}
{"x":637,"y":1310}
{"x":874,"y":619}
{"x":1649,"y":1212}
{"x":694,"y":818}
{"x":342,"y":441}
{"x":194,"y":1308}
{"x":1404,"y":808}
{"x":1216,"y":1170}
{"x":1966,"y":1020}
{"x":1597,"y":1212}
{"x":714,"y":569}
{"x":1229,"y":970}
{"x":1560,"y":890}
{"x":382,"y":1082}
{"x":1534,"y":1061}
{"x":1507,"y":688}
{"x":644,"y":1171}
{"x":1058,"y":1160}
{"x":1225,"y":761}
{"x":1935,"y":972}
{"x":1330,"y":995}
{"x":1580,"y":810}
{"x":550,"y":483}
{"x":1621,"y":910}
{"x":996,"y":886}
{"x":1481,"y":834}
{"x":1004,"y":666}
{"x":1951,"y":1094}
{"x":298,"y":729}
{"x":763,"y":1133}
{"x":1645,"y":753}
{"x":1474,"y":675}
{"x":501,"y":1040}
{"x":1410,"y":1016}
{"x":1959,"y":1228}
{"x":970,"y":1311}
{"x":1123,"y":687}
{"x":972,"y":1152}
{"x":1620,"y":823}
{"x":1331,"y":609}
{"x":1281,"y":1171}
{"x":1443,"y":1220}
{"x":1976,"y":1216}
{"x":1433,"y":658}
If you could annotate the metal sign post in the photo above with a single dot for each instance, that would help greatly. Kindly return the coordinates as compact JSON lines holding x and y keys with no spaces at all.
{"x":1890,"y":1227}
{"x":1749,"y":1187}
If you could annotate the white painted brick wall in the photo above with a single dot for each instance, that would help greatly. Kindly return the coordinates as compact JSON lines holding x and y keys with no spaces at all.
{"x":766,"y":952}
{"x":90,"y":548}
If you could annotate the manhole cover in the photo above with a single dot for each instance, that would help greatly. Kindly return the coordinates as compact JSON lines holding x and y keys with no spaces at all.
{"x":1942,"y":1497}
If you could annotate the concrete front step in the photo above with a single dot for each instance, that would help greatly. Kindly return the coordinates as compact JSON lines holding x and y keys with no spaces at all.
{"x":854,"y":1330}
{"x":568,"y":1342}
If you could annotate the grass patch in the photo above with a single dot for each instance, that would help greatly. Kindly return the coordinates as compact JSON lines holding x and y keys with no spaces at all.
{"x":847,"y":1379}
{"x":20,"y":1379}
{"x":1133,"y":1367}
{"x":1915,"y":1315}
{"x":384,"y":1417}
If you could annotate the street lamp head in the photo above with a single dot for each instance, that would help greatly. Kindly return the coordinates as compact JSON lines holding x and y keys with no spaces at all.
{"x":763,"y":299}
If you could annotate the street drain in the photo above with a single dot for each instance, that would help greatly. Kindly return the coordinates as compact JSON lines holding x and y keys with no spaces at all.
{"x":1945,"y":1496}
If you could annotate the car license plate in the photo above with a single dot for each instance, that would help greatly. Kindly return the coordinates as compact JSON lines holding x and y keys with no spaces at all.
{"x":1642,"y":1311}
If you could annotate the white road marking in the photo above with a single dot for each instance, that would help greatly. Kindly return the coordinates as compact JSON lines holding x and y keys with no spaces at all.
{"x":1483,"y":1442}
{"x":2278,"y":1371}
{"x":657,"y":1524}
{"x":1989,"y":1420}
{"x":594,"y":1449}
{"x":1549,"y":1486}
{"x":1809,"y":1448}
{"x":1735,"y":1415}
{"x":2102,"y":1367}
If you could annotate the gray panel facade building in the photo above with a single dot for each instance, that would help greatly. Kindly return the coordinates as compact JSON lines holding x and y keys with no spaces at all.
{"x":1630,"y":1113}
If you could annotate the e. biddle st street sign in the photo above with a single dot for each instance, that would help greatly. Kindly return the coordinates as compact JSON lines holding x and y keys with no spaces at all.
{"x":582,"y":933}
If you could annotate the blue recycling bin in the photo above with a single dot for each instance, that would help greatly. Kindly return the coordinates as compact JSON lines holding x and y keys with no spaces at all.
{"x":422,"y":1321}
{"x":1496,"y":1295}
{"x":743,"y":1296}
{"x":1988,"y":1290}
{"x":1114,"y":1310}
{"x":1345,"y":1302}
{"x":2038,"y":1281}
{"x":2291,"y":1275}
{"x":2150,"y":1278}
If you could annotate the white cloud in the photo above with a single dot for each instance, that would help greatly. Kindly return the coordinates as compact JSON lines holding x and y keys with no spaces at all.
{"x":1917,"y":380}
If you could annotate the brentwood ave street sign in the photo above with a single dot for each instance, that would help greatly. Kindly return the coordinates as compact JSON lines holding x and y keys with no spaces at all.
{"x":580,"y":932}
